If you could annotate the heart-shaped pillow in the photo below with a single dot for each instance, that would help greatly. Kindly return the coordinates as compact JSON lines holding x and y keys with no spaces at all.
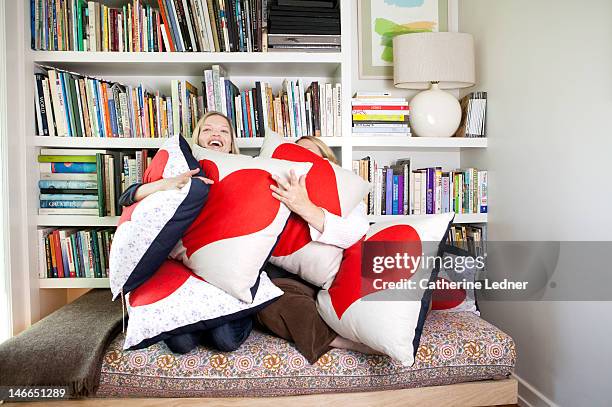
{"x":232,"y":237}
{"x":330,"y":187}
{"x":149,"y":229}
{"x":380,"y":295}
{"x":176,"y":301}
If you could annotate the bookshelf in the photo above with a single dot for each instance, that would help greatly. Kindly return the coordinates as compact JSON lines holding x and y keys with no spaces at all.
{"x":155,"y":70}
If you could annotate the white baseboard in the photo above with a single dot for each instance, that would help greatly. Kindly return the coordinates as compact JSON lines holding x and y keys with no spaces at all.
{"x":529,"y":396}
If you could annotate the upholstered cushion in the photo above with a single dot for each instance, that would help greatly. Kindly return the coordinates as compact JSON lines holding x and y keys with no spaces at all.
{"x":232,"y":237}
{"x":455,"y":347}
{"x":458,"y":266}
{"x":176,"y":301}
{"x":149,"y":229}
{"x":329,"y":186}
{"x":386,"y":318}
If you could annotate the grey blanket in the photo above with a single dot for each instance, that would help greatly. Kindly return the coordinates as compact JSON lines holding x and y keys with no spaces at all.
{"x":65,"y":348}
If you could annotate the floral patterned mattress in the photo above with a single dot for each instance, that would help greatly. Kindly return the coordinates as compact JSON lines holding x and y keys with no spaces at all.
{"x":455,"y":347}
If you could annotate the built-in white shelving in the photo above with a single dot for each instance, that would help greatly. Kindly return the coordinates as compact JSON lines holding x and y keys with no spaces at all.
{"x":155,"y":70}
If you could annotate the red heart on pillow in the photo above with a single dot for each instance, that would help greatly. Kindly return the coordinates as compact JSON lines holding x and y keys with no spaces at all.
{"x":350,"y":285}
{"x":166,"y":280}
{"x":447,"y":298}
{"x":322,"y":191}
{"x":231,"y":205}
{"x":155,"y":170}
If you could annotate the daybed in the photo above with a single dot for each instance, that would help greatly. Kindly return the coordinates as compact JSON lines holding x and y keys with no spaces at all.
{"x":462,"y":360}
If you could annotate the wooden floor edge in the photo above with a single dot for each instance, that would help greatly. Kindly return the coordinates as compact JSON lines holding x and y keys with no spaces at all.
{"x":470,"y":394}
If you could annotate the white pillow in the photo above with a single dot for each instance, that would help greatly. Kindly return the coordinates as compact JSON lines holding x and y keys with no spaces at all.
{"x":389,"y":320}
{"x":329,"y":186}
{"x":231,"y":239}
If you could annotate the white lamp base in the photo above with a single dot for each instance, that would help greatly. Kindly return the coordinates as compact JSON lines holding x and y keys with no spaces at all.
{"x":434,"y":113}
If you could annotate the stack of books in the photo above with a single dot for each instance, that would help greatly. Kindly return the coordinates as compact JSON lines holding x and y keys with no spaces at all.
{"x":301,"y":25}
{"x":73,"y":105}
{"x":86,"y":181}
{"x":74,"y":253}
{"x":376,"y":113}
{"x":399,"y":189}
{"x":471,"y":238}
{"x":136,"y":26}
{"x":294,"y":111}
{"x":473,"y":115}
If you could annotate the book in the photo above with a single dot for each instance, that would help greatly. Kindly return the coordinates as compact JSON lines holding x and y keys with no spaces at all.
{"x":74,"y":252}
{"x":67,"y":167}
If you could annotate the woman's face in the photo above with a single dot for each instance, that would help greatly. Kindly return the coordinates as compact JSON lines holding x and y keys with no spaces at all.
{"x":216,"y":134}
{"x":309,"y":145}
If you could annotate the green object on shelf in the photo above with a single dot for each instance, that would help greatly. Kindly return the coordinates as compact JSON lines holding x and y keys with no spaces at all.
{"x":66,"y":158}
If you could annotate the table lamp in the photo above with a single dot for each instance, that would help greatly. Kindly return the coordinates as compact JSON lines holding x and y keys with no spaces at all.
{"x":434,"y":61}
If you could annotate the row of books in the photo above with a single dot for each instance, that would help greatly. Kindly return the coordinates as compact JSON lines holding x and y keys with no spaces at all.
{"x":376,"y":113}
{"x":74,"y":105}
{"x":296,"y":25}
{"x":74,"y":253}
{"x":87,"y":182}
{"x":473,"y":115}
{"x":295,"y":111}
{"x":471,"y":238}
{"x":399,"y":189}
{"x":175,"y":25}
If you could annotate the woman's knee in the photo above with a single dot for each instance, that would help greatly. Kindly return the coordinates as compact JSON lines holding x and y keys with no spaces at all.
{"x":228,"y":337}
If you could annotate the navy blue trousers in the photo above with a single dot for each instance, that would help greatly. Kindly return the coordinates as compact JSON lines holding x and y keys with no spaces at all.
{"x":226,"y":338}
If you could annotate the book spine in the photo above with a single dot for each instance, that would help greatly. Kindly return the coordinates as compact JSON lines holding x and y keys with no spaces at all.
{"x":67,"y":167}
{"x":430,"y":196}
{"x":437,"y":191}
{"x":482,"y":192}
{"x":69,"y":204}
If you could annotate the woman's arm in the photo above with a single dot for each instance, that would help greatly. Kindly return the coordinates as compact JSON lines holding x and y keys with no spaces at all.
{"x":325,"y":227}
{"x":342,"y":231}
{"x":138,"y":192}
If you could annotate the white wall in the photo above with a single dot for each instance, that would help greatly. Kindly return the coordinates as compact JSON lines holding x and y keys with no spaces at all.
{"x":547,"y":67}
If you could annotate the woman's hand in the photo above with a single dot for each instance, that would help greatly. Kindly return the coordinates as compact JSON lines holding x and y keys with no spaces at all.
{"x":168,"y":184}
{"x":180,"y":181}
{"x":294,"y":195}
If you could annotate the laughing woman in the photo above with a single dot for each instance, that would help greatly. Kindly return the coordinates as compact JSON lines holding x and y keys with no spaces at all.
{"x":214,"y":131}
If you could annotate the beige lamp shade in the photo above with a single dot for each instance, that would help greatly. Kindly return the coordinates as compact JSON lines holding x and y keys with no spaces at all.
{"x":444,"y":57}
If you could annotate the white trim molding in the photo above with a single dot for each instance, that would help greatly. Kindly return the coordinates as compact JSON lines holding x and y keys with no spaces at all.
{"x":6,"y":313}
{"x":529,"y":396}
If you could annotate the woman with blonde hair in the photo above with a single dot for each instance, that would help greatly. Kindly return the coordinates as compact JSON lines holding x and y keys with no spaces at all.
{"x":213,"y":131}
{"x":294,"y":315}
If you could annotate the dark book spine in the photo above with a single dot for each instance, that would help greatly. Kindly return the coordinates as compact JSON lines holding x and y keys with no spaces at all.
{"x":48,"y":257}
{"x":430,"y":184}
{"x":232,"y":25}
{"x":96,"y":253}
{"x":100,"y":176}
{"x":258,"y":25}
{"x":260,"y":113}
{"x":180,"y":14}
{"x":41,"y":104}
{"x":245,"y":23}
{"x":317,"y":108}
{"x":255,"y":103}
{"x":219,"y":25}
{"x":78,"y":262}
{"x":383,"y":187}
{"x":191,"y":17}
